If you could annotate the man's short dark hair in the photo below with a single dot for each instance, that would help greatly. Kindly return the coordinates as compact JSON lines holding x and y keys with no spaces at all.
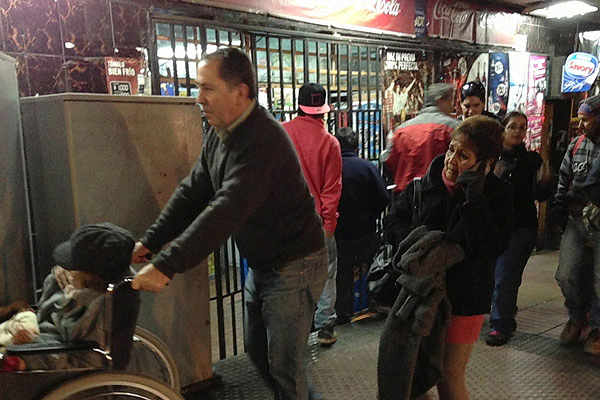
{"x":348,"y":138}
{"x":234,"y":68}
{"x":473,"y":88}
{"x":303,"y":114}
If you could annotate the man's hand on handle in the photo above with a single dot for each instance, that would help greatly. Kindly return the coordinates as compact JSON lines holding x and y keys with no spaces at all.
{"x":140,"y":253}
{"x":150,"y":279}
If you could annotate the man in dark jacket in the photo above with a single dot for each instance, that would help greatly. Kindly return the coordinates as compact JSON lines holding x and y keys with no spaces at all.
{"x":364,"y":197}
{"x":577,"y":243}
{"x":247,"y":183}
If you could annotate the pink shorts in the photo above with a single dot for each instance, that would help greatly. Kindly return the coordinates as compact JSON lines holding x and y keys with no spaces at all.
{"x":464,"y":329}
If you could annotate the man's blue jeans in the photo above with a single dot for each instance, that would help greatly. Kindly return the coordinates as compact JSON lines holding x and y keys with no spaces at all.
{"x":508,"y":274}
{"x":578,"y":273}
{"x":325,"y":315}
{"x":279,"y":305}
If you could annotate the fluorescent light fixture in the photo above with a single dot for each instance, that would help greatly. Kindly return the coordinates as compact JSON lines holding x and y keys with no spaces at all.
{"x":566,"y":9}
{"x":520,"y":42}
{"x":591,"y":35}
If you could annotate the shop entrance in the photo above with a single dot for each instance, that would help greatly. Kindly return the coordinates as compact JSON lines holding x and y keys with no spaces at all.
{"x":349,"y":70}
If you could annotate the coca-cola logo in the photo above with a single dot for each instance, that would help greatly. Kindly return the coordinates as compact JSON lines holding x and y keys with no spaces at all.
{"x":388,"y":7}
{"x":459,"y":11}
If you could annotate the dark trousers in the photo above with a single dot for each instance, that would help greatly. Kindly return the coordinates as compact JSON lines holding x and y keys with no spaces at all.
{"x":354,"y":258}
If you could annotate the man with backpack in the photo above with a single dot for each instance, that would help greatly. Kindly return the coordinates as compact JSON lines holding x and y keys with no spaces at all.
{"x":578,"y":244}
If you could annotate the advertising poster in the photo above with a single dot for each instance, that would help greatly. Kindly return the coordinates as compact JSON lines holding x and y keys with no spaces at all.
{"x":498,"y":83}
{"x":536,"y":89}
{"x":455,"y":71}
{"x":122,"y":75}
{"x":404,"y":78}
{"x":517,"y":92}
{"x":420,"y":19}
{"x":478,"y":71}
{"x":579,"y":73}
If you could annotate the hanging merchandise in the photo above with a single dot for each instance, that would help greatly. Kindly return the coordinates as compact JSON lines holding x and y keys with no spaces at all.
{"x":404,"y":77}
{"x":579,"y":72}
{"x":517,"y":92}
{"x":536,"y":89}
{"x":498,"y":83}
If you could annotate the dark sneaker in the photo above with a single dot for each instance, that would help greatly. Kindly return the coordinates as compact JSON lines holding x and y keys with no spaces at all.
{"x":495,"y":338}
{"x":571,"y":332}
{"x":326,"y":336}
{"x":592,"y":344}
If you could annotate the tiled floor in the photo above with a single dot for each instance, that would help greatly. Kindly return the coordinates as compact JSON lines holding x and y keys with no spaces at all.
{"x":531,"y":366}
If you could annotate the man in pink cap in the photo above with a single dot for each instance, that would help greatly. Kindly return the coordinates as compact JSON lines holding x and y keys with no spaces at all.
{"x":579,"y":260}
{"x":321,"y":160}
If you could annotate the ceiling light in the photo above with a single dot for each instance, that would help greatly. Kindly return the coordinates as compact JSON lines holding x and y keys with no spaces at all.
{"x":69,"y":45}
{"x":591,"y":35}
{"x":566,"y":9}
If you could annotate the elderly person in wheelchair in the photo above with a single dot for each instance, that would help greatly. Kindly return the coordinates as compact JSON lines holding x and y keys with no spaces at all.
{"x":82,"y":332}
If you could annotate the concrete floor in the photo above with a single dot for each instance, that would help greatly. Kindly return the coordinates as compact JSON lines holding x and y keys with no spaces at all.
{"x":531,"y":366}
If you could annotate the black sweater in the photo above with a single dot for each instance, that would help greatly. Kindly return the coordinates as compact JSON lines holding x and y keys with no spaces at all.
{"x":519,"y":167}
{"x":481,"y":228}
{"x":249,"y":186}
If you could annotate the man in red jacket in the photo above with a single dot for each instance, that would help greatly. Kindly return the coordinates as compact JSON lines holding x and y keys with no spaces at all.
{"x":418,"y":141}
{"x":321,"y":160}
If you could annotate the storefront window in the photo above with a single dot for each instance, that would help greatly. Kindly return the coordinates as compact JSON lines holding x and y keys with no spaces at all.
{"x":349,"y":72}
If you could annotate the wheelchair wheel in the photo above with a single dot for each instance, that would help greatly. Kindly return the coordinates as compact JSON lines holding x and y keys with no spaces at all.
{"x":112,"y":386}
{"x":160,"y":351}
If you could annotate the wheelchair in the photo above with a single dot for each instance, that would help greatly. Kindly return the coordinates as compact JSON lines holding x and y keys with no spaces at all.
{"x":109,"y":381}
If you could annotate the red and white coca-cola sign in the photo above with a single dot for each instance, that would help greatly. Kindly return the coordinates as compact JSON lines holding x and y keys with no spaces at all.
{"x":451,"y":20}
{"x":388,"y":7}
{"x":388,"y":15}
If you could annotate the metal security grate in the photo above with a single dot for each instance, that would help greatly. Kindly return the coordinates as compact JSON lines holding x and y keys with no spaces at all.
{"x":350,"y":71}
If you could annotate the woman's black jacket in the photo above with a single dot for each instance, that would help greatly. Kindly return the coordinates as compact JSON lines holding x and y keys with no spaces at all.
{"x":481,"y":227}
{"x":520,"y":167}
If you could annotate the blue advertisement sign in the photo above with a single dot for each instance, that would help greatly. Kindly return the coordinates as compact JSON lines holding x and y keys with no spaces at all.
{"x":579,"y":72}
{"x":498,"y":83}
{"x":420,"y":20}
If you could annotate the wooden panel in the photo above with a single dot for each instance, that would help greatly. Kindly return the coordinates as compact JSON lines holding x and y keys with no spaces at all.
{"x":108,"y":158}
